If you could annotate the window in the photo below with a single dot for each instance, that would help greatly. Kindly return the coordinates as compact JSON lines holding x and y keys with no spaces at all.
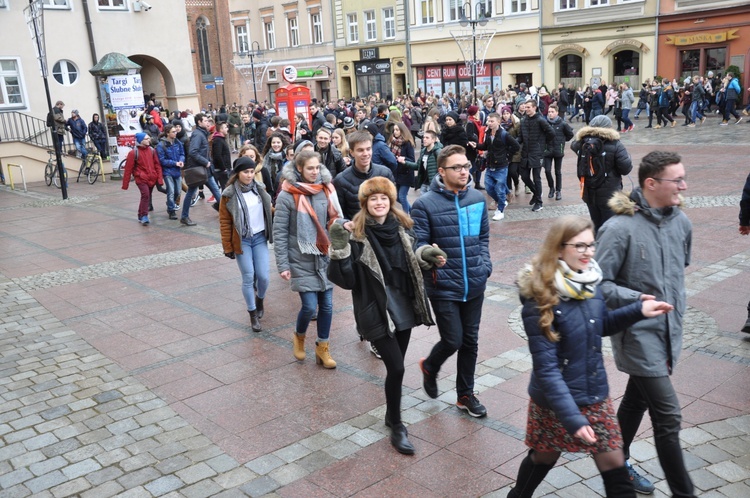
{"x":271,"y":75}
{"x":351,"y":21}
{"x":56,"y":4}
{"x":716,"y":59}
{"x":112,"y":4}
{"x":427,"y":11}
{"x":455,"y":9}
{"x":243,"y":44}
{"x":487,"y":7}
{"x":371,"y":27}
{"x":389,"y":23}
{"x":11,"y":94}
{"x":270,"y":36}
{"x":293,"y":26}
{"x":517,"y":6}
{"x":317,"y":28}
{"x":3,"y":4}
{"x":65,"y":72}
{"x":598,"y":3}
{"x":203,"y":55}
{"x":567,"y":4}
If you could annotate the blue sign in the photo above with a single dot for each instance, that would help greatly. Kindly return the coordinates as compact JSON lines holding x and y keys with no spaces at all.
{"x":210,"y":86}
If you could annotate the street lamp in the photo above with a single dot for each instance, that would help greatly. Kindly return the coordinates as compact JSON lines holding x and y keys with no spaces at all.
{"x":253,"y":53}
{"x":34,"y":14}
{"x":480,"y":17}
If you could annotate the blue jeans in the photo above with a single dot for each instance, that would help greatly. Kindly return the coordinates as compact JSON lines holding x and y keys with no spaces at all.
{"x":212,"y":186}
{"x":403,"y":192}
{"x":253,"y":264}
{"x":458,"y":325}
{"x":323,"y":301}
{"x":626,"y":118}
{"x":495,"y":181}
{"x":596,"y":112}
{"x":639,"y":110}
{"x":174,"y":188}
{"x":695,"y":111}
{"x":80,"y":144}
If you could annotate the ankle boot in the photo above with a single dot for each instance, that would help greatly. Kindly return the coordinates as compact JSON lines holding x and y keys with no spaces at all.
{"x":254,"y":322}
{"x":617,"y":483}
{"x":746,"y":328}
{"x":323,"y":356}
{"x":298,"y":342}
{"x":400,"y":440}
{"x":259,"y":306}
{"x":530,"y":476}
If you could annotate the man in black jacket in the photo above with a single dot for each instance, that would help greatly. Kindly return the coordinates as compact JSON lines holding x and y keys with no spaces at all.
{"x":318,"y":118}
{"x":500,"y":146}
{"x":745,"y":230}
{"x":536,"y":137}
{"x":331,"y":156}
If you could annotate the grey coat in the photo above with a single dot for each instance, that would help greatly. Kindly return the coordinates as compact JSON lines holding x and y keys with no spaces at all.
{"x":644,"y":250}
{"x":627,"y":98}
{"x":309,"y":271}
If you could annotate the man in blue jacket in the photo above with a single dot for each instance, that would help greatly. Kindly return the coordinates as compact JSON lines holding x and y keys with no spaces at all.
{"x":732,"y":94}
{"x":453,"y":238}
{"x":79,"y":130}
{"x":381,"y":154}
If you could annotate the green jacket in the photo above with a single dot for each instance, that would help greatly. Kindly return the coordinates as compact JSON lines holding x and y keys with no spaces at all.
{"x":425,"y":176}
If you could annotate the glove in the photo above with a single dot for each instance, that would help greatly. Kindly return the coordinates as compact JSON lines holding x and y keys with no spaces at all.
{"x":430,"y":254}
{"x":339,"y":236}
{"x":229,"y":255}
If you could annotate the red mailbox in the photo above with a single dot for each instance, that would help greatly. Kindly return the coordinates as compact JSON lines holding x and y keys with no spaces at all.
{"x":292,"y":99}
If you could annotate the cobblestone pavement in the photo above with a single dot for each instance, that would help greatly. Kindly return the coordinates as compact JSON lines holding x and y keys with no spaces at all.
{"x":128,"y":367}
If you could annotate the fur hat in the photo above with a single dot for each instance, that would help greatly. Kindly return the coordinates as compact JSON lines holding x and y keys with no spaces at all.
{"x":243,"y":163}
{"x":258,"y":114}
{"x":376,"y":185}
{"x":601,"y":121}
{"x":139,"y":137}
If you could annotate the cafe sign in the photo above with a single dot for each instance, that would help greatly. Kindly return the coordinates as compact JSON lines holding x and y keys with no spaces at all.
{"x":703,"y":38}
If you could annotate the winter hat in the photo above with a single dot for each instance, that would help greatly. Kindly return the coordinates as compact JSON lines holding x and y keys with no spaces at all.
{"x":348,"y":123}
{"x":302,"y":145}
{"x":376,"y":185}
{"x":139,"y":137}
{"x":243,"y":163}
{"x":271,"y":112}
{"x":258,"y":114}
{"x":373,"y":129}
{"x":74,"y":111}
{"x":472,"y":110}
{"x":601,"y":121}
{"x":505,"y":108}
{"x":454,"y":115}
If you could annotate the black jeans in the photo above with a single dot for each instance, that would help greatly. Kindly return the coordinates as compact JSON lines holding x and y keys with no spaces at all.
{"x":536,"y":184}
{"x":729,"y":109}
{"x":392,"y":351}
{"x":556,"y":183}
{"x":657,"y":395}
{"x":663,"y":115}
{"x":458,"y":325}
{"x":599,"y":209}
{"x":513,"y":178}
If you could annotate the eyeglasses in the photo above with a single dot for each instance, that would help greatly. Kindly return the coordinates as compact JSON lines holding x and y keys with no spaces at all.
{"x":582,"y":248}
{"x":676,"y":181}
{"x":459,"y":168}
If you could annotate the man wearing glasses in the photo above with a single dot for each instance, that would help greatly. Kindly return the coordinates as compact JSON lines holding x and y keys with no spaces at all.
{"x":453,"y":235}
{"x":643,"y":251}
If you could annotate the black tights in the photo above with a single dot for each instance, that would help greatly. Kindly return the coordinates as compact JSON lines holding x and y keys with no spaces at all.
{"x":604,"y":461}
{"x":393,"y":350}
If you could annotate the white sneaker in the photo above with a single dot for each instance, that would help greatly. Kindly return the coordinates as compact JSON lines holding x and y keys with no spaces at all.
{"x":499,"y":215}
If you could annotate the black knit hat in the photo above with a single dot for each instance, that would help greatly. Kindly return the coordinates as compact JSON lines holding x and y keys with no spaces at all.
{"x":243,"y":163}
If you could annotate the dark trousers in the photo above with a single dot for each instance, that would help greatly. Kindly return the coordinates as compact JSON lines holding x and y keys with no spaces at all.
{"x":535,"y":185}
{"x":513,"y":177}
{"x":663,"y":115}
{"x":729,"y":109}
{"x":145,"y":199}
{"x":458,"y":325}
{"x":392,"y":351}
{"x":657,"y":395}
{"x":556,"y":183}
{"x":599,"y":211}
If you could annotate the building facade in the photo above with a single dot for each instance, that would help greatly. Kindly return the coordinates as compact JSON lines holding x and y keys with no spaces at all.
{"x":277,"y":34}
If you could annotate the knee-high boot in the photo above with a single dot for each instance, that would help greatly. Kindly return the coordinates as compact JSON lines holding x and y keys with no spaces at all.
{"x":530,"y":476}
{"x":617,"y":483}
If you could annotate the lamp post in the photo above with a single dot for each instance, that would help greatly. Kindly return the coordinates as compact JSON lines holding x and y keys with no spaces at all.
{"x":253,"y":53}
{"x":480,"y":17}
{"x":34,"y":14}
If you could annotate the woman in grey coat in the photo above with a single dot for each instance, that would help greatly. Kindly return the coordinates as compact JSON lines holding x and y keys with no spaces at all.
{"x":306,"y":206}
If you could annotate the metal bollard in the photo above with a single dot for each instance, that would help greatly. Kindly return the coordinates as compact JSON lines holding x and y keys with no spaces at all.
{"x":10,"y":176}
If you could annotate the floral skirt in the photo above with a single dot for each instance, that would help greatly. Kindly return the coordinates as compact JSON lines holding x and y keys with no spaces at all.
{"x":545,"y":433}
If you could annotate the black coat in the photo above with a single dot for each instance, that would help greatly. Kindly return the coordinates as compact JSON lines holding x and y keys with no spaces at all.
{"x":616,"y":161}
{"x":501,"y":149}
{"x":536,"y":136}
{"x":221,"y":156}
{"x":563,"y":133}
{"x":348,"y":182}
{"x":404,"y":175}
{"x":454,"y":135}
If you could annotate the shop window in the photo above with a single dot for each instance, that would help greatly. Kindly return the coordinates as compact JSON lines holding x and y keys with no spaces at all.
{"x":627,"y":64}
{"x":716,"y":60}
{"x":571,"y":70}
{"x":690,"y":63}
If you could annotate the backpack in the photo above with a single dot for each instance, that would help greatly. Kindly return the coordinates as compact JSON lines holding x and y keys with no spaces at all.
{"x":591,"y":165}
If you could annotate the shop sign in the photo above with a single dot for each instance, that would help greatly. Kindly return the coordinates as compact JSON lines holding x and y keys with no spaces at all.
{"x":308,"y":73}
{"x":369,"y":54}
{"x":702,"y":38}
{"x":378,"y":67}
{"x":626,"y":42}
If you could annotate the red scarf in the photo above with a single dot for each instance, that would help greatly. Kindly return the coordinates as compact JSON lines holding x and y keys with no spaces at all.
{"x":311,"y":236}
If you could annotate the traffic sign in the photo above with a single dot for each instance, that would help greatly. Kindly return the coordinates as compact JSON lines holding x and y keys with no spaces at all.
{"x":210,"y":86}
{"x":219,"y":80}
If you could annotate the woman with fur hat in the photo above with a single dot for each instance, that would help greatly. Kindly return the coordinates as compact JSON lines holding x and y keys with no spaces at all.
{"x":245,"y":221}
{"x":305,"y":207}
{"x":377,"y":263}
{"x":565,"y":316}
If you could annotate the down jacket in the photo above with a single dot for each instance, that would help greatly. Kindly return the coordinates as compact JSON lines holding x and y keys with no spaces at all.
{"x":381,"y":153}
{"x":644,"y":250}
{"x":458,"y":223}
{"x":309,"y":271}
{"x":198,"y":154}
{"x":356,"y":268}
{"x":229,"y":210}
{"x":570,"y":373}
{"x":348,"y":182}
{"x":169,"y":155}
{"x":616,"y":160}
{"x":500,"y":149}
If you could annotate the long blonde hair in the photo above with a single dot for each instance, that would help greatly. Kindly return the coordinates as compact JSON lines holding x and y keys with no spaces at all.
{"x":360,"y":220}
{"x":540,"y":283}
{"x":344,"y":147}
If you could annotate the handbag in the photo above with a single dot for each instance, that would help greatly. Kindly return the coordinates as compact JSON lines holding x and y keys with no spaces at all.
{"x":642,"y":104}
{"x":195,"y":176}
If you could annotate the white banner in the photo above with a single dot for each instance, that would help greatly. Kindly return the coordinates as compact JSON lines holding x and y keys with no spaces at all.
{"x":126,"y":91}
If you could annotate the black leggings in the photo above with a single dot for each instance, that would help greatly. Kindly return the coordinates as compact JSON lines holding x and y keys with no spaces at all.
{"x":393,"y":350}
{"x":513,"y":176}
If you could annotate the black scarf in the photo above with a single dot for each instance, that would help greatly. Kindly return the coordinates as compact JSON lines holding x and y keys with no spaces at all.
{"x":389,"y":251}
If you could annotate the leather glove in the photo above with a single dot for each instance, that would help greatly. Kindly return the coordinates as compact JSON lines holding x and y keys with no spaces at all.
{"x":229,"y":255}
{"x":339,"y":236}
{"x":430,"y":254}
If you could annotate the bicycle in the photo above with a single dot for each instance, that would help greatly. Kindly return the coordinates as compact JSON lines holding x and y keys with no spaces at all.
{"x":50,"y":171}
{"x":92,"y":166}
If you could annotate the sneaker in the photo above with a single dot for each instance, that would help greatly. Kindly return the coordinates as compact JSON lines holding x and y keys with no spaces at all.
{"x":195,"y":200}
{"x":471,"y":404}
{"x":215,"y":205}
{"x":723,"y":123}
{"x":144,"y":220}
{"x":703,"y":119}
{"x":738,"y":120}
{"x":187,"y":221}
{"x":172,"y":215}
{"x":211,"y":199}
{"x":640,"y":483}
{"x":674,"y":123}
{"x":527,"y":191}
{"x":657,"y":127}
{"x":551,"y":193}
{"x":201,"y":195}
{"x":507,"y":202}
{"x":631,"y":128}
{"x":374,"y":351}
{"x":429,"y":382}
{"x":691,"y":125}
{"x":558,"y":195}
{"x":537,"y":207}
{"x":499,"y":215}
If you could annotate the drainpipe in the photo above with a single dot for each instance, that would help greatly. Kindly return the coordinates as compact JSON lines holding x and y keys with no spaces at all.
{"x":409,"y":71}
{"x":333,"y":38}
{"x":221,"y":65}
{"x":656,"y":37}
{"x":541,"y":47}
{"x":95,"y":61}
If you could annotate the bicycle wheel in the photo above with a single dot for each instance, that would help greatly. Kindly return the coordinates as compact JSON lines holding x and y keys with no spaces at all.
{"x":49,"y":172}
{"x":94,"y":170}
{"x":121,"y":167}
{"x":56,"y":178}
{"x":82,"y":169}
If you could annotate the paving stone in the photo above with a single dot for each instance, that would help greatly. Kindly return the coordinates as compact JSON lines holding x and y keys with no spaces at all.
{"x":195,"y":473}
{"x":45,"y":481}
{"x":71,"y":488}
{"x":695,"y":436}
{"x":296,"y":451}
{"x":222,"y":463}
{"x":710,"y":453}
{"x":165,"y":451}
{"x":201,"y":489}
{"x":729,"y":471}
{"x":164,"y":485}
{"x":288,"y":474}
{"x":266,"y":463}
{"x":138,"y":477}
{"x":261,"y":486}
{"x":16,"y":477}
{"x":235,"y":477}
{"x":27,"y":459}
{"x":137,"y":492}
{"x":705,"y":480}
{"x":45,"y":466}
{"x":342,"y":449}
{"x":105,"y":490}
{"x":104,"y":475}
{"x":81,"y":468}
{"x":21,"y":435}
{"x":111,"y":457}
{"x":40,"y":441}
{"x":316,"y":461}
{"x":561,"y":477}
{"x":722,"y":429}
{"x":173,"y":464}
{"x":365,"y":437}
{"x":340,"y":431}
{"x":137,"y":462}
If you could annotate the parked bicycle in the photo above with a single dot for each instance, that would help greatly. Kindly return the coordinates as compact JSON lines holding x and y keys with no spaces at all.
{"x":92,"y":166}
{"x":50,"y":171}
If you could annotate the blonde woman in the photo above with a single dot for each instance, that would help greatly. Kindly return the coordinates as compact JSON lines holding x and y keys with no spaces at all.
{"x":262,"y":175}
{"x":339,"y":141}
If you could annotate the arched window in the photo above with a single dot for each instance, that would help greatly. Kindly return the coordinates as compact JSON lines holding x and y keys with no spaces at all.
{"x":627,"y":65}
{"x":571,"y":70}
{"x":203,"y":54}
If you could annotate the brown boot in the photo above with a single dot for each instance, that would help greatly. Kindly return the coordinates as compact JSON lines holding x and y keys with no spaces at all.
{"x":323,"y":356}
{"x":299,"y":346}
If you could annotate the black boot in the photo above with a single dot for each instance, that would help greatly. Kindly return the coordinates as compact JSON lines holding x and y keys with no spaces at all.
{"x":254,"y":322}
{"x":746,"y":328}
{"x":530,"y":476}
{"x":259,"y":307}
{"x":617,"y":483}
{"x":400,"y":440}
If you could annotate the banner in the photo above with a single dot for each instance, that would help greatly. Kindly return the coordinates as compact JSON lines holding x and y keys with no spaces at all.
{"x":125,"y":91}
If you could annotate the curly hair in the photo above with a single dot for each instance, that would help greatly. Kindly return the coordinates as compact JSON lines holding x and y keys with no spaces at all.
{"x":276,"y":134}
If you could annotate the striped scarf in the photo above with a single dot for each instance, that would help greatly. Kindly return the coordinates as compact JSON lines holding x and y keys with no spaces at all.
{"x":311,"y":236}
{"x":574,"y":285}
